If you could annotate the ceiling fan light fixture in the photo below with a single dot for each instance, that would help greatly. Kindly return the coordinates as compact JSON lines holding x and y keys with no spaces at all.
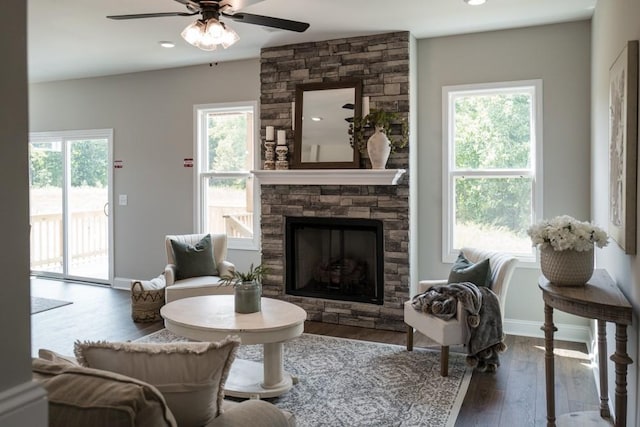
{"x":215,"y":29}
{"x":229,"y":37}
{"x":207,"y":42}
{"x":193,"y":32}
{"x":207,"y":35}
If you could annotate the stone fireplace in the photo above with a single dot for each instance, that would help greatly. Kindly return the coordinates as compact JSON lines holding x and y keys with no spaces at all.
{"x":382,"y":63}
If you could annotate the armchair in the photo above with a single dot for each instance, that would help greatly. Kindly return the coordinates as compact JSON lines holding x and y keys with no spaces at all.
{"x":455,"y":331}
{"x":178,"y":288}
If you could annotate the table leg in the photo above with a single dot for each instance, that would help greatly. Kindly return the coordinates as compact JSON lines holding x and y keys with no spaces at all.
{"x":549,"y":329}
{"x":621,"y":359}
{"x":602,"y":367}
{"x":273,"y":365}
{"x":248,"y":379}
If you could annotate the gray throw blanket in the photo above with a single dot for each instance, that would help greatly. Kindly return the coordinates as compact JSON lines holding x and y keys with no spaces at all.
{"x":483,"y":318}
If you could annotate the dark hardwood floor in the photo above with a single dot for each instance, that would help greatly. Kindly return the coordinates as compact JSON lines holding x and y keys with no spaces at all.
{"x":512,"y":397}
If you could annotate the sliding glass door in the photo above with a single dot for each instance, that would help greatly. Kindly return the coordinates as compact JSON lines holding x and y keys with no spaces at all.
{"x":70,"y":205}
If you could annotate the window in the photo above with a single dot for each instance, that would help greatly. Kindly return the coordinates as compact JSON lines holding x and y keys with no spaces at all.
{"x":226,"y":189}
{"x":492,"y":163}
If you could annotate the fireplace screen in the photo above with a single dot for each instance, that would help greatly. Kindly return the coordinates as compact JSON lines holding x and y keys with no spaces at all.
{"x":335,"y":258}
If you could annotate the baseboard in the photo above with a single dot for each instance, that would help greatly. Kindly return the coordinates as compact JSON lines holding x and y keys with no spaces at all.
{"x":122,"y":283}
{"x":24,"y":405}
{"x":565,"y":332}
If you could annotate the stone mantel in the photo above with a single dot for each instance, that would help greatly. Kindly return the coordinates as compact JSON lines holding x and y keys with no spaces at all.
{"x":329,"y":176}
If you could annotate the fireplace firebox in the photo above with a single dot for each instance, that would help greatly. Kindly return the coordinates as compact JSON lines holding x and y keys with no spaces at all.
{"x":335,"y":258}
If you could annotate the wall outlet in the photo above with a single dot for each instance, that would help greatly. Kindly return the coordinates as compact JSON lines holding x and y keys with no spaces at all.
{"x":122,"y":200}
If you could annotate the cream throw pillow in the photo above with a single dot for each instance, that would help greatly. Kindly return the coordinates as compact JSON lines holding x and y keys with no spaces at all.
{"x":80,"y":397}
{"x":190,"y":375}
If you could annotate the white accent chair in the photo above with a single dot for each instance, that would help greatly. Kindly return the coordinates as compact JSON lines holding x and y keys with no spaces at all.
{"x":197,"y":286}
{"x":455,"y":331}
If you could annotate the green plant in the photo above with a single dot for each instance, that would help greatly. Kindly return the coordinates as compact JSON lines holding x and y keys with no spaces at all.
{"x":252,"y":275}
{"x":391,"y":123}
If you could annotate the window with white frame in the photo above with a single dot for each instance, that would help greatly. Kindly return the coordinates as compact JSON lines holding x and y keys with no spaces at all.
{"x":492,"y":163}
{"x":227,"y":197}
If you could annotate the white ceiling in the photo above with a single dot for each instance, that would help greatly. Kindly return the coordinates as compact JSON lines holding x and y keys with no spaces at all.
{"x":70,"y":39}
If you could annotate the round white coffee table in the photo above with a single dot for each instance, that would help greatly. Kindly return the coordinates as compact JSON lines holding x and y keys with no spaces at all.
{"x":212,"y":318}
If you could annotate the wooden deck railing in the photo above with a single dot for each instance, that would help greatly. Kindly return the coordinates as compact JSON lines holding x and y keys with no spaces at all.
{"x":239,"y":225}
{"x":88,"y":238}
{"x":233,"y":220}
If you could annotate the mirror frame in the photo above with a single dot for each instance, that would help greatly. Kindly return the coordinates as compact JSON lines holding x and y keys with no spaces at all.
{"x":297,"y":162}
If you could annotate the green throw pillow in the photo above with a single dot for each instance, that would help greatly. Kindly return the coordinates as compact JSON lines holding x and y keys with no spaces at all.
{"x":196,"y":260}
{"x":464,"y":270}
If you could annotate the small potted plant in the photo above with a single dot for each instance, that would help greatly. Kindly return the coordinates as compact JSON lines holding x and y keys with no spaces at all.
{"x":383,"y":141}
{"x":247,"y":288}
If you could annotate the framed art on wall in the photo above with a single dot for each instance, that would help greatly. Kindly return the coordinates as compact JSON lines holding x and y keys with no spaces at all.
{"x":623,"y":146}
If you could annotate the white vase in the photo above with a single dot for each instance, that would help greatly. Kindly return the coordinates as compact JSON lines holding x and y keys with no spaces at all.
{"x":378,"y":148}
{"x":566,"y":268}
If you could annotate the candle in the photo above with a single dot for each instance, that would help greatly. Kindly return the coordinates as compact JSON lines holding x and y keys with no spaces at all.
{"x":269,"y":133}
{"x":365,"y":105}
{"x":282,"y":137}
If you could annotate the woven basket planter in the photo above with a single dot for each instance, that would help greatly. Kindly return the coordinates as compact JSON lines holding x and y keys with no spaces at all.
{"x":145,"y":302}
{"x":566,"y":268}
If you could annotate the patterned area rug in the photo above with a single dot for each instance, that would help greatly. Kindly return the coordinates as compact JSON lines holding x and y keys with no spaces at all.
{"x":345,"y":382}
{"x":43,"y":304}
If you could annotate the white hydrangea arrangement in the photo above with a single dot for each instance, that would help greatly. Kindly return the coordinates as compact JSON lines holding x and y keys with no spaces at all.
{"x":567,"y":233}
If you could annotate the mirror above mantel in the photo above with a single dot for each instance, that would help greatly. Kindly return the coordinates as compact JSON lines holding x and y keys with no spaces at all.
{"x":323,"y":112}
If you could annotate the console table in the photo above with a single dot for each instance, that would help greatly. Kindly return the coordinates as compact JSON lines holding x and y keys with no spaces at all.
{"x":600,"y":299}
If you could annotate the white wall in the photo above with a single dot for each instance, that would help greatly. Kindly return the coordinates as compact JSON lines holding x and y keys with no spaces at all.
{"x":614,"y":23}
{"x":151,"y":114}
{"x":560,"y":56}
{"x":22,"y":403}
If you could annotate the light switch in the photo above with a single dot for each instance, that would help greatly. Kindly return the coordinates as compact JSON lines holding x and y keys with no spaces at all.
{"x":122,"y":200}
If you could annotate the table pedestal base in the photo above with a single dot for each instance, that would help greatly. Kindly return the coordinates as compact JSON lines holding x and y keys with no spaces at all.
{"x":246,"y":380}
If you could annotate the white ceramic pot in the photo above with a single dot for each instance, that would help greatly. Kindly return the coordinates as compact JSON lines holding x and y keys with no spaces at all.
{"x":378,"y":148}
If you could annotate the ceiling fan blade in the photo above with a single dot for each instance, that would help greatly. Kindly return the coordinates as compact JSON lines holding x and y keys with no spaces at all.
{"x":191,"y":5}
{"x":151,"y":15}
{"x":268,"y":21}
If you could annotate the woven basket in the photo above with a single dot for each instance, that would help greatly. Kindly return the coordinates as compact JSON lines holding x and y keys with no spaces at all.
{"x":145,"y":303}
{"x":566,"y":268}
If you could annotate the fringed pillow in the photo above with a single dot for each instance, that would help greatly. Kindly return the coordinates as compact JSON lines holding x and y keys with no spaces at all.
{"x":79,"y":397}
{"x":189,"y":375}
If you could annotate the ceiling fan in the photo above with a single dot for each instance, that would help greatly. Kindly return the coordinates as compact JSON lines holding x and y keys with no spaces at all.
{"x":209,"y":32}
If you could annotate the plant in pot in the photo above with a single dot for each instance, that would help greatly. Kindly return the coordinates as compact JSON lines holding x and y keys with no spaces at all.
{"x":567,"y":248}
{"x":391,"y":132}
{"x":247,"y":288}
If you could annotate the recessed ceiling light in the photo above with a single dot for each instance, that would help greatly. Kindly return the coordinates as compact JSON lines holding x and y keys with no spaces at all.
{"x":475,"y":2}
{"x":316,"y":119}
{"x":167,"y":44}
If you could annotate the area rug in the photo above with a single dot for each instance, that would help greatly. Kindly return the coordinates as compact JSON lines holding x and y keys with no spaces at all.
{"x":39,"y":304}
{"x":344,"y":382}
